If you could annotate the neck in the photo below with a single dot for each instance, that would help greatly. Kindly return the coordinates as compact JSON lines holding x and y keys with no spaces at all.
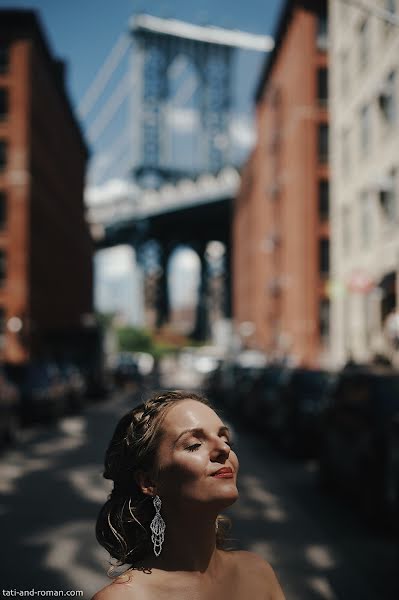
{"x":189,"y":545}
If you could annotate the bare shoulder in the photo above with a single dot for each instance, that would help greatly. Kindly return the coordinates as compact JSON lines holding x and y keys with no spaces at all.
{"x":244,"y":559}
{"x":252,"y":566}
{"x":121,"y":588}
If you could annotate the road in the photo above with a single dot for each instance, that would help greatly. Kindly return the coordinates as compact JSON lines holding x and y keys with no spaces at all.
{"x":51,"y":490}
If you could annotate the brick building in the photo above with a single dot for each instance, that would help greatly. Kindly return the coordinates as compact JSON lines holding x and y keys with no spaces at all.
{"x":45,"y":245}
{"x":280,"y":224}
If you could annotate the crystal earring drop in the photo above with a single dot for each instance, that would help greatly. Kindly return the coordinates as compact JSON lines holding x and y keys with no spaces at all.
{"x":157,"y":527}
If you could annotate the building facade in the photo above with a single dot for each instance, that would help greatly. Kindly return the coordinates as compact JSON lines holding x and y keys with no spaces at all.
{"x":364,"y":83}
{"x":281,"y":216}
{"x":45,"y":244}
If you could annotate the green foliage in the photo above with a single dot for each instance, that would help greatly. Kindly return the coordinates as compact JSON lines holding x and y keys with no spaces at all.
{"x":134,"y":339}
{"x":138,"y":339}
{"x":161,"y":349}
{"x":105,"y":320}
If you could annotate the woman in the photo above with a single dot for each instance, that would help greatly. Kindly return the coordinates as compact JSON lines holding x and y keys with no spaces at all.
{"x":174,"y":470}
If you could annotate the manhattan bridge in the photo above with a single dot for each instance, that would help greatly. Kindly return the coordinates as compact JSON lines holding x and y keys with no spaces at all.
{"x":163,"y":202}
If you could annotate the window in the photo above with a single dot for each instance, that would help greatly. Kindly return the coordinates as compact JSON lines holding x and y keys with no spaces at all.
{"x":344,"y":64}
{"x":275,"y":140}
{"x":322,"y":32}
{"x":390,"y":7}
{"x":365,"y":130}
{"x":366,"y":219}
{"x":2,"y":327}
{"x":323,"y":200}
{"x":3,"y":267}
{"x":387,"y":98}
{"x":324,"y":257}
{"x":3,"y":209}
{"x":346,"y":229}
{"x":345,"y":154}
{"x":322,"y":86}
{"x":364,"y":44}
{"x":3,"y":155}
{"x":4,"y":58}
{"x":3,"y":104}
{"x":388,"y":198}
{"x":324,"y":318}
{"x":275,"y":97}
{"x":344,"y":12}
{"x":323,"y":142}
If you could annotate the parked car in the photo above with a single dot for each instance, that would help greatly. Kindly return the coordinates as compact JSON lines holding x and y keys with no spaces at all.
{"x":392,"y":476}
{"x":9,"y":409}
{"x":126,"y":369}
{"x":360,"y":446}
{"x":220,"y":383}
{"x":98,"y":381}
{"x":145,"y":363}
{"x":296,"y":417}
{"x":246,"y":378}
{"x":258,"y":407}
{"x":234,"y":376}
{"x":75,"y":385}
{"x":213,"y":384}
{"x":41,"y":390}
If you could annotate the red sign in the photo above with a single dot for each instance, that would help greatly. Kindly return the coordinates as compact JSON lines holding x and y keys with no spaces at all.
{"x":360,"y":281}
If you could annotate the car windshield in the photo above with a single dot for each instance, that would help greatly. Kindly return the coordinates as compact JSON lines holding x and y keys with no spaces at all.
{"x":310,"y":382}
{"x":386,"y":394}
{"x":272,"y":376}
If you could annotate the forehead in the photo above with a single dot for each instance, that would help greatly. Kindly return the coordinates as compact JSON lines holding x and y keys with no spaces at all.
{"x":187,"y":414}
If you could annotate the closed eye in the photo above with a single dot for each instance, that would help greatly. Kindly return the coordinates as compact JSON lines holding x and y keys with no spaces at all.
{"x":193,"y":448}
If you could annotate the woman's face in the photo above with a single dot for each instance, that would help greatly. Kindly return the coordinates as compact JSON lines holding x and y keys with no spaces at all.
{"x":188,"y":460}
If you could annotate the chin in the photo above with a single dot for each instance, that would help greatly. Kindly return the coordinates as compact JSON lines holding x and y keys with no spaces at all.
{"x":228,"y":497}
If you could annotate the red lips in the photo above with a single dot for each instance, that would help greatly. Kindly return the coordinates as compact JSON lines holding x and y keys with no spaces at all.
{"x":222,"y":471}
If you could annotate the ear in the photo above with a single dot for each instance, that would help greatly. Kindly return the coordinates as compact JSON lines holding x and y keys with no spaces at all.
{"x":146,"y":483}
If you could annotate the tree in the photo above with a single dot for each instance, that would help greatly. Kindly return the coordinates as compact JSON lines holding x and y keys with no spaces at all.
{"x":134,"y":339}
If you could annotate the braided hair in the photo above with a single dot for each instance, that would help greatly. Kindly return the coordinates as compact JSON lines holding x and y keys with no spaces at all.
{"x":123,"y":523}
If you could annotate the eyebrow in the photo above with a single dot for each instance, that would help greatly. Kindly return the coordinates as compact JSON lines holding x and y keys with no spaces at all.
{"x":199,"y":430}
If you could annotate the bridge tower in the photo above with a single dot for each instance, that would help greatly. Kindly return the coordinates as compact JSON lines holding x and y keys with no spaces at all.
{"x":157,"y":44}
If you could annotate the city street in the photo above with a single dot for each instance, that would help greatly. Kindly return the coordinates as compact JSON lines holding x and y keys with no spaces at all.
{"x":191,"y":193}
{"x":51,"y":490}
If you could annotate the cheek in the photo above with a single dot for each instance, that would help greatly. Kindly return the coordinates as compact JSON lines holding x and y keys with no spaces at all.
{"x":182,"y":467}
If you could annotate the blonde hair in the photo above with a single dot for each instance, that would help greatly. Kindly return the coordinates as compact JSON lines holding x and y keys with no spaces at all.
{"x":123,"y":522}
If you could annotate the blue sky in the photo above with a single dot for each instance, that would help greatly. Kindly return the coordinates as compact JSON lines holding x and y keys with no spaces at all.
{"x":84,"y":31}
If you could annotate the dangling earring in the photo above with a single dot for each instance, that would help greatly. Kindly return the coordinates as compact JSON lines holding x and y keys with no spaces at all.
{"x":157,"y":527}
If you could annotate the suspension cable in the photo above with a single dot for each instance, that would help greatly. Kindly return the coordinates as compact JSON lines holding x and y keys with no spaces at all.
{"x":110,"y":108}
{"x":103,"y":76}
{"x":113,"y":152}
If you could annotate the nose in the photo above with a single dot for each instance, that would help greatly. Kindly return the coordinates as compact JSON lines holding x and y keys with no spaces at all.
{"x":221,"y":449}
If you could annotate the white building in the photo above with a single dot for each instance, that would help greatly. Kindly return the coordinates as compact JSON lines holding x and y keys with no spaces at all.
{"x":364,"y":118}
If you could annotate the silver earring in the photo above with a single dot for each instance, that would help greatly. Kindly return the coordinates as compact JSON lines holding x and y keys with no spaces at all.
{"x":157,"y":527}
